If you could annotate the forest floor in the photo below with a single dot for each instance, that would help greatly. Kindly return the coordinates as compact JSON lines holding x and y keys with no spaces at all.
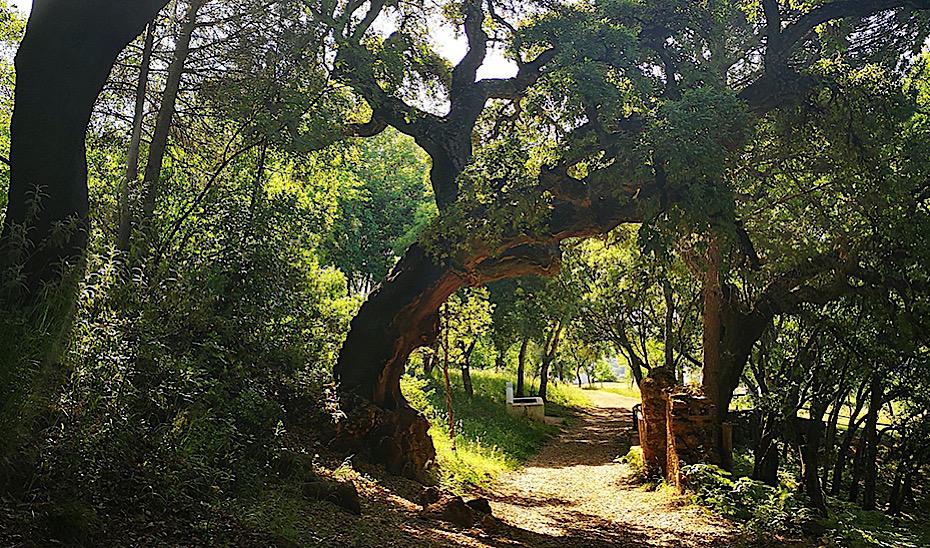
{"x":574,"y":493}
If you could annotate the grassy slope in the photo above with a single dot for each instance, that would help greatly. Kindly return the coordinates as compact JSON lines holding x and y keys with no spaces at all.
{"x":488,"y":440}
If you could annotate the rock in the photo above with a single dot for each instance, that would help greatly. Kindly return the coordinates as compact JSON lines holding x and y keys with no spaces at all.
{"x":453,"y":510}
{"x":341,"y":493}
{"x":488,"y":522}
{"x":480,"y":504}
{"x":429,"y":495}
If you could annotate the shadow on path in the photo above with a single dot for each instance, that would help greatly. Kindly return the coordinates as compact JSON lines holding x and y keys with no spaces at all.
{"x":575,"y":493}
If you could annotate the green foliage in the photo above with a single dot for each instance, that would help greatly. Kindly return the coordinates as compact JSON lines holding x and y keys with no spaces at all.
{"x":634,"y":459}
{"x":849,"y":525}
{"x":763,"y":510}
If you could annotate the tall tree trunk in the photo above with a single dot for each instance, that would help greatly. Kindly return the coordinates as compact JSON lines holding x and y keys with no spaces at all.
{"x":466,"y":369}
{"x":159,"y":145}
{"x":809,"y":449}
{"x":765,"y":452}
{"x":855,"y":483}
{"x":830,"y":438}
{"x":729,"y":336}
{"x":135,"y":142}
{"x":548,"y":356}
{"x":842,"y":454}
{"x":521,"y":365}
{"x":876,"y":400}
{"x":897,"y":505}
{"x":62,"y":64}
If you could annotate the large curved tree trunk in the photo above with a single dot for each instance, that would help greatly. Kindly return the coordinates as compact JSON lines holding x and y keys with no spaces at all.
{"x":399,"y":317}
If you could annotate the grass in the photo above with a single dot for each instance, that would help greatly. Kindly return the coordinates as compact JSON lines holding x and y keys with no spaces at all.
{"x":488,"y":441}
{"x":619,"y":388}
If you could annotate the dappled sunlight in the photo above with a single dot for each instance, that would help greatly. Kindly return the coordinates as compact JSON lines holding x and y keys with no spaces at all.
{"x":577,"y":491}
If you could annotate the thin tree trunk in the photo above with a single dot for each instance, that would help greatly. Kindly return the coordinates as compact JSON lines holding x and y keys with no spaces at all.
{"x":159,"y":145}
{"x":830,"y":440}
{"x":808,"y":449}
{"x":521,"y":365}
{"x":466,"y":369}
{"x":876,"y":400}
{"x":765,"y":453}
{"x":842,"y":455}
{"x":135,"y":142}
{"x":548,"y":356}
{"x":858,"y":464}
{"x":669,"y":326}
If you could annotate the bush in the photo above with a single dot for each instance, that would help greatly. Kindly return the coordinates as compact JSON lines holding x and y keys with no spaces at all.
{"x":763,"y":510}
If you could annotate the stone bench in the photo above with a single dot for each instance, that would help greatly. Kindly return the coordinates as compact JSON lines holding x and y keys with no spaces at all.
{"x":533,"y":407}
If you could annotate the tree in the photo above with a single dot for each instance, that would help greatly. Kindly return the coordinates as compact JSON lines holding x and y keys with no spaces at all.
{"x":67,"y":45}
{"x":61,"y":66}
{"x":596,"y":173}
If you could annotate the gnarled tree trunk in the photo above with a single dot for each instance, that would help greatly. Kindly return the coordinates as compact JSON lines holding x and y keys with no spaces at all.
{"x":399,"y":317}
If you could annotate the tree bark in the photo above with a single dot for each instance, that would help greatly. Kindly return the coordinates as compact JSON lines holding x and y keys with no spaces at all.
{"x":765,"y":452}
{"x":152,"y":177}
{"x":399,"y":317}
{"x":842,"y":455}
{"x":521,"y":365}
{"x":809,"y":449}
{"x":548,"y":356}
{"x":135,"y":143}
{"x":876,"y":400}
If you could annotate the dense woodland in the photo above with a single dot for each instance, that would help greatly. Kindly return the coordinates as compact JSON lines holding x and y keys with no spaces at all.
{"x":236,"y":232}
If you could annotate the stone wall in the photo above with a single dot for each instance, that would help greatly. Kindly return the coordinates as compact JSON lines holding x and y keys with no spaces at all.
{"x":693,"y":436}
{"x":652,"y":429}
{"x":678,"y":428}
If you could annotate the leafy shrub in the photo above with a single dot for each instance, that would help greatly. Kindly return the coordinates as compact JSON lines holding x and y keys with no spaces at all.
{"x":634,"y":459}
{"x":762,"y":509}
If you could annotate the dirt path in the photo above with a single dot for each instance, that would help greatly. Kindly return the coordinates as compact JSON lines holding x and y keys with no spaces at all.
{"x":575,"y":494}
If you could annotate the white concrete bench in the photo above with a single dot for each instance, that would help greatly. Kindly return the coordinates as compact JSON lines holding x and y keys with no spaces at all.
{"x":533,"y":408}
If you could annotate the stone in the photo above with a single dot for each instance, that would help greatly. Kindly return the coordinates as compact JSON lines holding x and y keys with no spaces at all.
{"x":454,"y":510}
{"x":692,"y":435}
{"x":480,"y":504}
{"x":652,"y":431}
{"x":341,"y":493}
{"x":429,"y":495}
